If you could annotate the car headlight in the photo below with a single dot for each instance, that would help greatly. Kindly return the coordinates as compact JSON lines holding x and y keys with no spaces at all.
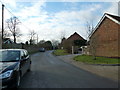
{"x":6,"y":74}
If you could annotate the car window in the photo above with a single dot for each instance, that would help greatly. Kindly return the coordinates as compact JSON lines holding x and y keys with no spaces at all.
{"x":22,"y":54}
{"x":26,"y":53}
{"x":9,"y":55}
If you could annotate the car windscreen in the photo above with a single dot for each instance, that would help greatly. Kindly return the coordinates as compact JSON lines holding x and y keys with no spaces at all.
{"x":9,"y":55}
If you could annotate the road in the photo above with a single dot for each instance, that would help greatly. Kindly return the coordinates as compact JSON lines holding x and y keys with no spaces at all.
{"x":50,"y":72}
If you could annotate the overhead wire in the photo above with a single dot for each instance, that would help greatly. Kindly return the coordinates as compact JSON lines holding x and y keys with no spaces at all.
{"x":14,"y":15}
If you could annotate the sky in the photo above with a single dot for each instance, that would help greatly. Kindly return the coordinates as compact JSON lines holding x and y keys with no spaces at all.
{"x":50,"y":19}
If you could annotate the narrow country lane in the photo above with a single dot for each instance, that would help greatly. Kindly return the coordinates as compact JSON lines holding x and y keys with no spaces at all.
{"x":50,"y":72}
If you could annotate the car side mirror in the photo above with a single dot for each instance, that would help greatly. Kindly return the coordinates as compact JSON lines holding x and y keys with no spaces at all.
{"x":22,"y":57}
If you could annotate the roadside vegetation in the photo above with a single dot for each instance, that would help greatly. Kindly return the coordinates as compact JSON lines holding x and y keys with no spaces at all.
{"x":32,"y":51}
{"x":31,"y":48}
{"x":99,"y":60}
{"x":59,"y":52}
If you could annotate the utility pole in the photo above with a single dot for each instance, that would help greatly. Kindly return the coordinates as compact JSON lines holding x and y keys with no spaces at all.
{"x":2,"y":20}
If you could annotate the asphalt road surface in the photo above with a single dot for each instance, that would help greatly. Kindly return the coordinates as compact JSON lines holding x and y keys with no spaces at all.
{"x":50,"y":72}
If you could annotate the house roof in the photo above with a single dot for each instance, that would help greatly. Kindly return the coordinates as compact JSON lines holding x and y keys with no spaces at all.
{"x":5,"y":40}
{"x":75,"y":34}
{"x":114,"y":18}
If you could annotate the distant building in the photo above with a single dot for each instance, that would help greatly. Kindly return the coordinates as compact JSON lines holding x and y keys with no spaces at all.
{"x":104,"y":41}
{"x":69,"y":43}
{"x":7,"y":41}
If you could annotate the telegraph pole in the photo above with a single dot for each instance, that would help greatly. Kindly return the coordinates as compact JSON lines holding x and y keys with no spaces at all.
{"x":2,"y":20}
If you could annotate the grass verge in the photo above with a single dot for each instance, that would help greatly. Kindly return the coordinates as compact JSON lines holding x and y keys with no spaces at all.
{"x":99,"y":60}
{"x":60,"y":52}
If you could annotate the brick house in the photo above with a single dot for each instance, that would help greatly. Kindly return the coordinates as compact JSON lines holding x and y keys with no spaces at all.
{"x":69,"y":42}
{"x":104,"y":40}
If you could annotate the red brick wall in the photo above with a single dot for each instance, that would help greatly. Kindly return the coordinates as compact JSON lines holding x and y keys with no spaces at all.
{"x":107,"y":39}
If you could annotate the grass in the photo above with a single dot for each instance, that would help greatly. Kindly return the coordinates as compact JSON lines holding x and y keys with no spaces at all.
{"x":60,"y":52}
{"x":99,"y":60}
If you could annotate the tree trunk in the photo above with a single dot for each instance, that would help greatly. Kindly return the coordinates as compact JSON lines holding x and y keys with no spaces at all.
{"x":14,"y":39}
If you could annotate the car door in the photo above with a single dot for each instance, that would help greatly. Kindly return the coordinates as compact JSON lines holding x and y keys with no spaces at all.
{"x":27,"y":59}
{"x":23,"y":62}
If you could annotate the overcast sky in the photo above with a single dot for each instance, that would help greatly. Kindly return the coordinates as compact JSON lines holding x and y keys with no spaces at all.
{"x":51,"y":18}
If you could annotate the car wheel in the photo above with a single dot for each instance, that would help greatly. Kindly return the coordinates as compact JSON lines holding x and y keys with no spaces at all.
{"x":29,"y":69}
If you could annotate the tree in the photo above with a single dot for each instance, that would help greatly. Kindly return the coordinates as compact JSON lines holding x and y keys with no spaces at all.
{"x":62,"y":35}
{"x":89,"y":28}
{"x":32,"y":37}
{"x":5,"y":33}
{"x":26,"y":43}
{"x":12,"y":25}
{"x":55,"y":44}
{"x":48,"y":45}
{"x":92,"y":40}
{"x":42,"y":42}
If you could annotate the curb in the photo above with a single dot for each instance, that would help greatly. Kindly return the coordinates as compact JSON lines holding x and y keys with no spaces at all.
{"x":106,"y":64}
{"x":102,"y":64}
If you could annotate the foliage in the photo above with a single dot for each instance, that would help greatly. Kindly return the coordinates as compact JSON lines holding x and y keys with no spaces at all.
{"x":60,"y":52}
{"x":55,"y":43}
{"x":46,"y":44}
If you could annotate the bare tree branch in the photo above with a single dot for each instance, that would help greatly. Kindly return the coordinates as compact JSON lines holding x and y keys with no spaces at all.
{"x":12,"y":25}
{"x":5,"y":33}
{"x":89,"y":28}
{"x":32,"y":36}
